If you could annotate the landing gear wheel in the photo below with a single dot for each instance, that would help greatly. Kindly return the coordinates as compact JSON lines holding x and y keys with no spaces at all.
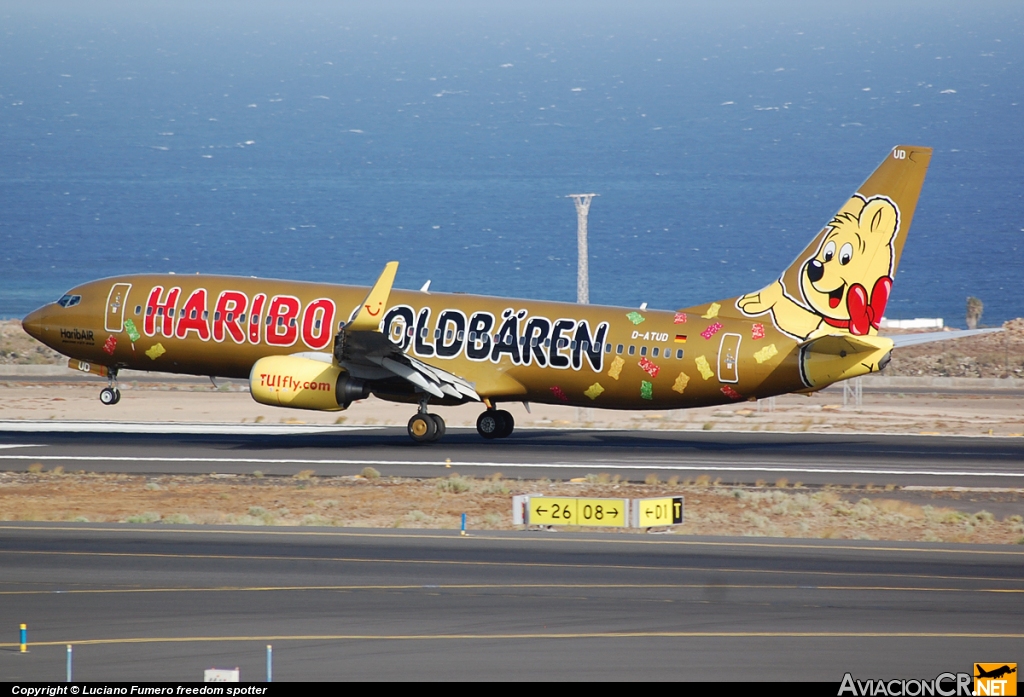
{"x":507,"y":423}
{"x":117,"y":395}
{"x":495,"y":423}
{"x":109,"y":395}
{"x":423,"y":428}
{"x":439,"y":422}
{"x":489,"y":424}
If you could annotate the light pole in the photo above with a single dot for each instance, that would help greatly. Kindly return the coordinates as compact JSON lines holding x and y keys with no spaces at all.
{"x":582,"y":202}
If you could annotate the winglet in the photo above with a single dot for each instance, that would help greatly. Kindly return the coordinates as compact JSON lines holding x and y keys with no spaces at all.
{"x":371,"y":312}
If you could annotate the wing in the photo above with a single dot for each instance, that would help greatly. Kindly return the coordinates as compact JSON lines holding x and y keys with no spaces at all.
{"x":362,"y":349}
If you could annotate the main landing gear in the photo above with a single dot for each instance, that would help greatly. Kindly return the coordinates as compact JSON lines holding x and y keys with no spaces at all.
{"x":425,"y":427}
{"x":495,"y":423}
{"x":110,"y":395}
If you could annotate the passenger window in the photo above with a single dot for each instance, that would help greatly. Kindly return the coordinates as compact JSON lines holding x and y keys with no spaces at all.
{"x":632,"y":350}
{"x":149,"y":311}
{"x":411,"y":332}
{"x":423,"y":333}
{"x":159,"y":312}
{"x":618,"y":349}
{"x":667,"y":352}
{"x":292,"y":323}
{"x":170,"y":312}
{"x":437,"y":333}
{"x":206,"y":314}
{"x":654,"y":353}
{"x":462,"y":336}
{"x":216,"y":317}
{"x":547,"y":343}
{"x":448,"y":335}
{"x":572,"y":345}
{"x":138,"y":309}
{"x":195,"y":313}
{"x":472,"y":336}
{"x":585,"y":345}
{"x":607,"y":348}
{"x":317,"y":324}
{"x":679,"y":353}
{"x":643,"y":350}
{"x":241,"y":318}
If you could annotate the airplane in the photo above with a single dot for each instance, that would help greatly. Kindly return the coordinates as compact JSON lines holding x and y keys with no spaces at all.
{"x":995,"y":672}
{"x":316,"y":346}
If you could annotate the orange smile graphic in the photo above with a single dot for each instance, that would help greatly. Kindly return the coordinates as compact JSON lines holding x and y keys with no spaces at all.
{"x":371,"y":312}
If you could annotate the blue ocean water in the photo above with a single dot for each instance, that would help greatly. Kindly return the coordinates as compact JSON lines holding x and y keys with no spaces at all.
{"x":318,"y":141}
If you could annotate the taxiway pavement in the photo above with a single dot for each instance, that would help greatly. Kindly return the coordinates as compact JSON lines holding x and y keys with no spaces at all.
{"x":164,"y":603}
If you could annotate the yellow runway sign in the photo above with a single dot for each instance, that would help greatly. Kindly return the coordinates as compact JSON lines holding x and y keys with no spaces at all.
{"x":649,"y":513}
{"x":553,"y":510}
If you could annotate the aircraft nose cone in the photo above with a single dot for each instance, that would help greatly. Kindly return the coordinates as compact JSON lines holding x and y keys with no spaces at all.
{"x":34,"y":324}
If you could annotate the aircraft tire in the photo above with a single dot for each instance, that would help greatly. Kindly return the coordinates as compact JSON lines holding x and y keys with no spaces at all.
{"x":117,"y":395}
{"x":439,"y":422}
{"x":489,"y":424}
{"x":422,"y":428}
{"x":508,"y":423}
{"x":108,"y":396}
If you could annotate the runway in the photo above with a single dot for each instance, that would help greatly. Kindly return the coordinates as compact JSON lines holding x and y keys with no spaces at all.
{"x":534,"y":453}
{"x":165,"y":603}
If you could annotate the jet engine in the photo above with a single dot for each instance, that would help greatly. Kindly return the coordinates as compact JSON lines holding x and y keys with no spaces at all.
{"x":304,"y":383}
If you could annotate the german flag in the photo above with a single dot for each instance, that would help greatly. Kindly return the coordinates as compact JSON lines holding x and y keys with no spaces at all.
{"x":680,"y":338}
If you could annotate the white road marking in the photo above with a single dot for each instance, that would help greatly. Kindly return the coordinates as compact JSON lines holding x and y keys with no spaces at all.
{"x":20,"y":445}
{"x":200,"y":428}
{"x":513,"y":465}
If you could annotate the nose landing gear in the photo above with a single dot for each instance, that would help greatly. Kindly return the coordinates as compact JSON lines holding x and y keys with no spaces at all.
{"x":110,"y":395}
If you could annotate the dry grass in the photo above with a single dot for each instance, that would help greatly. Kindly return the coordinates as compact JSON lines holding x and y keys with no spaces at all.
{"x":358,"y":501}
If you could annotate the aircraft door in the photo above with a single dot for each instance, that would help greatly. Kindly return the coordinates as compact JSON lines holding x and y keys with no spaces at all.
{"x":728,"y":358}
{"x":117,"y":303}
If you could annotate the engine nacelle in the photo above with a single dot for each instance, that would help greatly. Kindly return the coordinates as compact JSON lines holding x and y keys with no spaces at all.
{"x":303,"y":383}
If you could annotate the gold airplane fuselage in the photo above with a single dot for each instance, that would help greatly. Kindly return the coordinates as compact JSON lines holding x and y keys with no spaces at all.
{"x":508,"y":349}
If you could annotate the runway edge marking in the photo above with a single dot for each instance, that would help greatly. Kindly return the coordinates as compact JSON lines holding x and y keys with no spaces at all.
{"x":809,"y":544}
{"x":507,"y":465}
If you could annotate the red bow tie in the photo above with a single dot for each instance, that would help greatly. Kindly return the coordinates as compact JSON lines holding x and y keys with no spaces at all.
{"x":866,"y":314}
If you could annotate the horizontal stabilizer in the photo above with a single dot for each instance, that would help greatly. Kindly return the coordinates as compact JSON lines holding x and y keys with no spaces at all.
{"x":845,"y":344}
{"x":834,"y":357}
{"x":927,"y":338}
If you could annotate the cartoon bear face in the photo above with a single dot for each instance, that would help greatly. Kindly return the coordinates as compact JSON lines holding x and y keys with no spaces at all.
{"x":855,"y":254}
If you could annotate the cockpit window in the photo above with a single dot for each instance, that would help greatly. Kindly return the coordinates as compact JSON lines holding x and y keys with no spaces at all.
{"x":69,"y":300}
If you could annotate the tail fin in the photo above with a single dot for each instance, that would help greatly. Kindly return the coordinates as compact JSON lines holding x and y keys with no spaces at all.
{"x":842,"y":280}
